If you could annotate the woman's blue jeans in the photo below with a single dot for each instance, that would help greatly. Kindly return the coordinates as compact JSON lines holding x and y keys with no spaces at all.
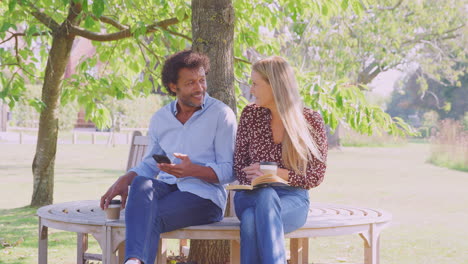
{"x":266,"y":214}
{"x":155,"y":207}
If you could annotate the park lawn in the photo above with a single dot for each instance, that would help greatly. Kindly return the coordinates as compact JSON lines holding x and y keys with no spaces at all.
{"x":428,"y":203}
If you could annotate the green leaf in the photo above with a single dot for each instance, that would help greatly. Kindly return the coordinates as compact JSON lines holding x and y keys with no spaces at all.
{"x":180,"y":13}
{"x":357,"y":7}
{"x":89,"y":22}
{"x":84,"y":5}
{"x":325,"y":10}
{"x":344,"y":4}
{"x":98,"y":7}
{"x":6,"y":26}
{"x":12,"y":5}
{"x":38,"y":104}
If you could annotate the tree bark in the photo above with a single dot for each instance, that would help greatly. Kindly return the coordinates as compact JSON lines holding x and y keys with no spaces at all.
{"x":46,"y":147}
{"x":213,"y":34}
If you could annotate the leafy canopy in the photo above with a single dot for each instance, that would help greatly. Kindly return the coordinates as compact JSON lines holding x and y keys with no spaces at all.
{"x":132,"y":37}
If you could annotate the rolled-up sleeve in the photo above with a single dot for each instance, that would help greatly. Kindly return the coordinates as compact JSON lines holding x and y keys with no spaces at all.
{"x":224,"y":146}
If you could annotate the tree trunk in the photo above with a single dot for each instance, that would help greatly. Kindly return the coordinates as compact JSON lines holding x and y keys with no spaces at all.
{"x":213,"y":33}
{"x":46,"y":147}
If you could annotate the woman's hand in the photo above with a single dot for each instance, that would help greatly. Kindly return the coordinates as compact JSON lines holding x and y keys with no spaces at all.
{"x":253,"y":171}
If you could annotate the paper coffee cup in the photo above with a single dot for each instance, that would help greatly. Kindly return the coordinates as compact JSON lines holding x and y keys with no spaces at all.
{"x":268,"y":167}
{"x":113,"y":211}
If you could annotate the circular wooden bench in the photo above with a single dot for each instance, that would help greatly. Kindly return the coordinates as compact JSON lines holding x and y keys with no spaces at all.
{"x":85,"y":217}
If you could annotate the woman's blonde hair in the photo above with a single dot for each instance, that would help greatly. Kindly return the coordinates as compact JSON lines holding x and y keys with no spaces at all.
{"x":298,"y":144}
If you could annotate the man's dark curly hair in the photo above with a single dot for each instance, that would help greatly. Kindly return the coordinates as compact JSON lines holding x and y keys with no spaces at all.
{"x":182,"y":59}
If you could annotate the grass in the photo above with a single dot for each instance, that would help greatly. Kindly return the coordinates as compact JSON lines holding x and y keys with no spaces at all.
{"x":428,"y":203}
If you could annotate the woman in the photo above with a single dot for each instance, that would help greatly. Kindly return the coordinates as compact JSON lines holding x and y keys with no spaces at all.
{"x":276,"y":128}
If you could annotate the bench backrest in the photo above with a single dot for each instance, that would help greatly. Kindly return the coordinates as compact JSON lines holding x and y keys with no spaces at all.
{"x":137,"y":149}
{"x":137,"y":152}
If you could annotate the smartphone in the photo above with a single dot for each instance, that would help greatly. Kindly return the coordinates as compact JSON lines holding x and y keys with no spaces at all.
{"x":161,"y":159}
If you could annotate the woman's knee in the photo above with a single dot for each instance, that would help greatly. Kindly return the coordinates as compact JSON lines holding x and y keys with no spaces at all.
{"x":267,"y":197}
{"x":247,"y":222}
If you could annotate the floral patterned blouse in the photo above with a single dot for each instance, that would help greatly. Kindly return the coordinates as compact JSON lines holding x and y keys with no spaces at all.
{"x":254,"y":143}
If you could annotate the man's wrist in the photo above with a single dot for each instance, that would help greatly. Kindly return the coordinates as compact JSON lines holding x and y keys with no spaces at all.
{"x":128,"y":177}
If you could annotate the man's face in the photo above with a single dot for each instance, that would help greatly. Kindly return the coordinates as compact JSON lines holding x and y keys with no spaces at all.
{"x":190,"y":88}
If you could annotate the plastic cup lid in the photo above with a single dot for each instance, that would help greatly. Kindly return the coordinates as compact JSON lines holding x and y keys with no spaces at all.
{"x":115,"y":202}
{"x":268,"y":163}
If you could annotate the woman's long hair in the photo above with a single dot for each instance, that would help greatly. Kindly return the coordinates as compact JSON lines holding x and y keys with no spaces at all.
{"x":298,"y":144}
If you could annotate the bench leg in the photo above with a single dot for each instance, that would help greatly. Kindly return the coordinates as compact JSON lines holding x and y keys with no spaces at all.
{"x":299,"y":248}
{"x":121,"y":252}
{"x":182,"y":243}
{"x":161,"y":258}
{"x":235,"y":252}
{"x":43,"y":243}
{"x":371,"y":245}
{"x":108,"y":256}
{"x":81,"y":247}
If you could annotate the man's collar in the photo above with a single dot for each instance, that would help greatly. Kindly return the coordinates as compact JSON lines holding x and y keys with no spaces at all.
{"x":174,"y":105}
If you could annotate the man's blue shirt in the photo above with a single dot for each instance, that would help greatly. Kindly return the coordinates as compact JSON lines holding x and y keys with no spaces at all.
{"x":207,"y":138}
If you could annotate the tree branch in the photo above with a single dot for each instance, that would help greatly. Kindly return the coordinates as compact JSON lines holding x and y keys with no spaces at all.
{"x":19,"y":66}
{"x":14,"y":35}
{"x":420,"y":37}
{"x":126,"y":33}
{"x":242,"y":60}
{"x":178,"y":34}
{"x":42,"y":17}
{"x":18,"y":59}
{"x":110,"y":21}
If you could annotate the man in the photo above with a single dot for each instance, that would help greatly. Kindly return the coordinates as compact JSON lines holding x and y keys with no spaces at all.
{"x":197,"y":133}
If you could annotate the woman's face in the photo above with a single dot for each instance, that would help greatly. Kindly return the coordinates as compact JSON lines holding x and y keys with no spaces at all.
{"x":262,"y":91}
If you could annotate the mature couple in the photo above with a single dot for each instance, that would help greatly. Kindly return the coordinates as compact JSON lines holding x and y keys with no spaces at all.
{"x":198,"y":134}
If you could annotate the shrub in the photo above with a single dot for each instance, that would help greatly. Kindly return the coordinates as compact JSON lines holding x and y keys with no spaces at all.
{"x":351,"y":138}
{"x":449,"y":147}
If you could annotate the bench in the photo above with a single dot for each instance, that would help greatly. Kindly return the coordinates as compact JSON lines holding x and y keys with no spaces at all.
{"x":85,"y":217}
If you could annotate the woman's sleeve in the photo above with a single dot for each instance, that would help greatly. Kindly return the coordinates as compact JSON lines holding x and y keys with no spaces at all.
{"x":315,"y":168}
{"x":241,"y":152}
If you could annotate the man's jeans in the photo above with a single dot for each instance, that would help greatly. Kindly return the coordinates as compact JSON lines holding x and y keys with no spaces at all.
{"x":265,"y":215}
{"x":155,"y":207}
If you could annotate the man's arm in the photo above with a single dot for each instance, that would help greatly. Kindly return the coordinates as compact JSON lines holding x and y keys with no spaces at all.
{"x":213,"y":172}
{"x":187,"y":168}
{"x":120,"y":187}
{"x":146,"y":167}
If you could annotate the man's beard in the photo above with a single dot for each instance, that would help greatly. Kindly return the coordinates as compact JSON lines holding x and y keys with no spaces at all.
{"x":191,"y":104}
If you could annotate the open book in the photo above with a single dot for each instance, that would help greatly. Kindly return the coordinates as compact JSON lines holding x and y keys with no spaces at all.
{"x":259,"y":182}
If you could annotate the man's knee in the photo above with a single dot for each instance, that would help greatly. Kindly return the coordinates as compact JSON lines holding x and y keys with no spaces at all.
{"x":140,"y":182}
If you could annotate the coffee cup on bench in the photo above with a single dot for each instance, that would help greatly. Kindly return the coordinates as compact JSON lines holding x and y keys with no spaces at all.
{"x":113,"y":211}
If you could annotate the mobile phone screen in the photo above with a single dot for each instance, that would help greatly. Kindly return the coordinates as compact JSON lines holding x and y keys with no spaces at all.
{"x":161,"y":159}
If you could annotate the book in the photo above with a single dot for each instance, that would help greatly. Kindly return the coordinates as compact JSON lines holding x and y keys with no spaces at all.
{"x":259,"y":182}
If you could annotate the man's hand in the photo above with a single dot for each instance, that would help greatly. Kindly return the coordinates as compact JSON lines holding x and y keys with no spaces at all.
{"x":120,"y":187}
{"x":252,"y":171}
{"x":184,"y":169}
